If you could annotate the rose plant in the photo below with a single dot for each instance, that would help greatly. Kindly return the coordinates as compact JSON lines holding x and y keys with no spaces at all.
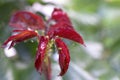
{"x":27,"y":25}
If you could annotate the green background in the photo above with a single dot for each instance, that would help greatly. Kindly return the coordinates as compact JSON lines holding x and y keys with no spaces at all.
{"x":98,"y":21}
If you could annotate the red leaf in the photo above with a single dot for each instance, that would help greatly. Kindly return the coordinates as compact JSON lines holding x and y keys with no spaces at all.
{"x":60,"y":16}
{"x":64,"y":57}
{"x":23,"y":35}
{"x":43,"y":41}
{"x":24,"y":20}
{"x":64,"y":30}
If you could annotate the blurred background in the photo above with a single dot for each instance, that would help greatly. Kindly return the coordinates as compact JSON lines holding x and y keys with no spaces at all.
{"x":98,"y":21}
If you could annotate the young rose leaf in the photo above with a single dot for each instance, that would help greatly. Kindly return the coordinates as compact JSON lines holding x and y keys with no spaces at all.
{"x":64,"y":57}
{"x":43,"y":41}
{"x":24,"y":20}
{"x":23,"y":35}
{"x":64,"y":30}
{"x":59,"y":16}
